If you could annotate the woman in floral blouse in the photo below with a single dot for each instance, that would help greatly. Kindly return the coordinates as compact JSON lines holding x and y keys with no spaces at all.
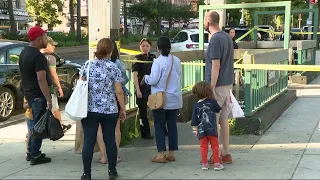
{"x":105,"y":90}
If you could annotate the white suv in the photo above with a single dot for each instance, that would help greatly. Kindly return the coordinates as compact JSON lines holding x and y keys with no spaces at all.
{"x":187,"y":40}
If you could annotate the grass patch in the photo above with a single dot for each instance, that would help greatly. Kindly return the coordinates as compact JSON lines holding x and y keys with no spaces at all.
{"x":125,"y":136}
{"x":234,"y":130}
{"x":64,"y":40}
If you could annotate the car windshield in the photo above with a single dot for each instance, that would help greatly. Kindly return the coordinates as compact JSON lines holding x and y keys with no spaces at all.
{"x":195,"y":37}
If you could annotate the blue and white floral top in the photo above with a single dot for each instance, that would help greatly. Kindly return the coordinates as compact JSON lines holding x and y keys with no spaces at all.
{"x":102,"y":75}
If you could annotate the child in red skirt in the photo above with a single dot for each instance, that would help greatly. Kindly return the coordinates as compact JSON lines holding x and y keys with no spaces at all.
{"x":205,"y":124}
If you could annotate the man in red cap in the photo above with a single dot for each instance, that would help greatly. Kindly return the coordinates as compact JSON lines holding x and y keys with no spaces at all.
{"x":35,"y":81}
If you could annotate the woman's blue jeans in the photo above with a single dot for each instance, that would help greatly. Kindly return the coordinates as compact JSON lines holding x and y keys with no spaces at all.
{"x":90,"y":128}
{"x":162,"y":118}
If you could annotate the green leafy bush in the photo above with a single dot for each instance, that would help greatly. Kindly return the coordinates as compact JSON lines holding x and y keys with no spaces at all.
{"x":63,"y":39}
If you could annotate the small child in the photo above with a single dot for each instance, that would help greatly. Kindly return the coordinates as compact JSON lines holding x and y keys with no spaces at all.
{"x":29,"y":121}
{"x":205,"y":123}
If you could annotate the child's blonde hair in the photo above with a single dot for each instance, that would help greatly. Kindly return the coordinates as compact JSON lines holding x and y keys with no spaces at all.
{"x":202,"y":90}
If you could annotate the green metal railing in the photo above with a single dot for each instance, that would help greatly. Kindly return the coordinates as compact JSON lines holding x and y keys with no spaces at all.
{"x":259,"y":90}
{"x":306,"y":56}
{"x":190,"y":76}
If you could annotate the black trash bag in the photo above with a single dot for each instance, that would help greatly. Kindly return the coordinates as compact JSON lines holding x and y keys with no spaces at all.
{"x":40,"y":129}
{"x":54,"y":128}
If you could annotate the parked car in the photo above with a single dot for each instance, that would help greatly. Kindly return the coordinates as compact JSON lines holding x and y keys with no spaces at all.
{"x":295,"y":36}
{"x":240,"y":31}
{"x":187,"y":40}
{"x":11,"y":97}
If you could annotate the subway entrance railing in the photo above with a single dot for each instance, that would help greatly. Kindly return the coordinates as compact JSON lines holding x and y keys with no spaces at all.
{"x":253,"y":88}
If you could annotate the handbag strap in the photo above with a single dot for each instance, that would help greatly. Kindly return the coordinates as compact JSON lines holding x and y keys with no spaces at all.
{"x":169,"y":75}
{"x":88,"y":70}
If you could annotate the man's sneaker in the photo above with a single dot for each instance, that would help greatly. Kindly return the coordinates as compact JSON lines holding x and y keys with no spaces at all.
{"x":86,"y":177}
{"x":40,"y":160}
{"x":205,"y":166}
{"x":66,"y":128}
{"x":218,"y":167}
{"x":227,"y":159}
{"x":113,"y":174}
{"x":28,"y":156}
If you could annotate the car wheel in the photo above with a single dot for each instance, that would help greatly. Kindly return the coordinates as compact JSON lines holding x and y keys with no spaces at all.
{"x":7,"y":103}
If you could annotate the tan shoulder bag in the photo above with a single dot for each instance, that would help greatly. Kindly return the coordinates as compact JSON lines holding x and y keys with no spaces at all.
{"x":158,"y":100}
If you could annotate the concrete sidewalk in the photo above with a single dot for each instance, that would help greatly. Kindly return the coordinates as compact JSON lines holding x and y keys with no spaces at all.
{"x":290,"y":149}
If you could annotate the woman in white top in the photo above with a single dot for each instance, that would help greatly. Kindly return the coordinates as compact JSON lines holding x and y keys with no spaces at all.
{"x":168,"y":114}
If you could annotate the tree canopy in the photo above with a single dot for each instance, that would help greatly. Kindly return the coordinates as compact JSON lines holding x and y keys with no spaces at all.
{"x":45,"y":11}
{"x":147,"y":11}
{"x":235,"y":15}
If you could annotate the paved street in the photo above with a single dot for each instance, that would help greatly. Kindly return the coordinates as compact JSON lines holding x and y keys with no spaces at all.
{"x":83,"y":58}
{"x":290,"y":149}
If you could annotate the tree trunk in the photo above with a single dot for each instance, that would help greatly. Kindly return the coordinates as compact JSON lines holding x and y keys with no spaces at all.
{"x":143,"y":26}
{"x":71,"y":10}
{"x":158,"y":19}
{"x":13,"y":24}
{"x":79,"y":20}
{"x":125,"y":17}
{"x":50,"y":26}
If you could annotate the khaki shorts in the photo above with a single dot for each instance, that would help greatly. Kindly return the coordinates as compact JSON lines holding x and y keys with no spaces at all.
{"x":223,"y":99}
{"x":55,"y":104}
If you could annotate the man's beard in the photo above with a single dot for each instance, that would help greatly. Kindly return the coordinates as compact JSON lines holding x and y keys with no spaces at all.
{"x":44,"y":45}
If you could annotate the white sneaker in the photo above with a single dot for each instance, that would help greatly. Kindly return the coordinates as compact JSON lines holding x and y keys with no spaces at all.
{"x":218,"y":167}
{"x":205,"y":166}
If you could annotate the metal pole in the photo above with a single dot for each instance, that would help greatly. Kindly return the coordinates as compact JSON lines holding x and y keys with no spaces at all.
{"x":309,"y":22}
{"x":99,"y":22}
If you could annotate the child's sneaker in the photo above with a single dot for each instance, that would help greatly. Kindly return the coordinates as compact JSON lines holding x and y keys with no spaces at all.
{"x":218,"y":167}
{"x":205,"y":166}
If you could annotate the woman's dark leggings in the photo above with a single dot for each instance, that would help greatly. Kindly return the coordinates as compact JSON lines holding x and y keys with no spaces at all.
{"x":143,"y":113}
{"x":90,"y":127}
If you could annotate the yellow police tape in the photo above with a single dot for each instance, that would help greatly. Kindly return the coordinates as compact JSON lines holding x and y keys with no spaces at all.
{"x":280,"y":67}
{"x":269,"y":31}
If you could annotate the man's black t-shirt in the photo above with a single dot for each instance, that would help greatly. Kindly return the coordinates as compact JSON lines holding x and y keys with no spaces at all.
{"x":143,"y":68}
{"x":31,"y":61}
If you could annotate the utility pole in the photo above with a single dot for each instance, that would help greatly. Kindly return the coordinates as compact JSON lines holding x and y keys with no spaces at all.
{"x":104,"y":22}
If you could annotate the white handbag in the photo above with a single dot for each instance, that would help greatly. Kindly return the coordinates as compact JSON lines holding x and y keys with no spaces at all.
{"x":77,"y":106}
{"x":236,"y":111}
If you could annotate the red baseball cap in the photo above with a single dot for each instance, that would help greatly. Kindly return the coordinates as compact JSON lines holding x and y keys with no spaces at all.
{"x":35,"y":32}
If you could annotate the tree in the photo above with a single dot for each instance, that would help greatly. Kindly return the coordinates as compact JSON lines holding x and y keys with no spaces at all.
{"x":143,"y":12}
{"x":172,"y":12}
{"x":45,"y":11}
{"x":78,"y":20}
{"x":13,"y":28}
{"x":71,"y":11}
{"x":200,"y":2}
{"x":154,"y":11}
